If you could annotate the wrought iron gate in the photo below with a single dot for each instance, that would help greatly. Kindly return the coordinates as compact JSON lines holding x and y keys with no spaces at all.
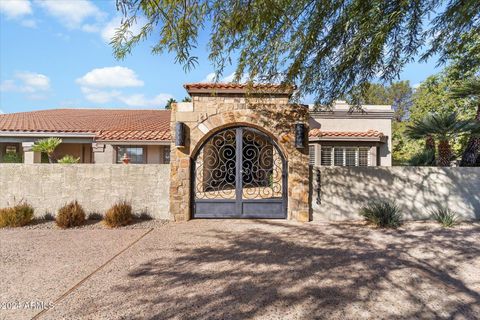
{"x":239,"y":173}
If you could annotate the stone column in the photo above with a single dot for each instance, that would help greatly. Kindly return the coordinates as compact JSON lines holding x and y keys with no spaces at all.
{"x":30,"y":156}
{"x":103,"y":153}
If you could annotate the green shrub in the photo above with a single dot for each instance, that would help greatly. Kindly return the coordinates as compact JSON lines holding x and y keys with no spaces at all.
{"x":382,"y":213}
{"x":48,"y":217}
{"x":445,"y":217}
{"x":17,"y":216}
{"x":12,"y":158}
{"x":68,"y":159}
{"x":70,"y":215}
{"x":119,"y":215}
{"x":95,"y":216}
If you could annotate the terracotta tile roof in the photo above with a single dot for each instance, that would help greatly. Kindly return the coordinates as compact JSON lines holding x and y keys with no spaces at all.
{"x":317,"y":133}
{"x":106,"y":124}
{"x":238,"y":87}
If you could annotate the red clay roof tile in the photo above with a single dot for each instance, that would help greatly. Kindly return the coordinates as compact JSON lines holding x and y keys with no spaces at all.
{"x":317,"y":133}
{"x":106,"y":124}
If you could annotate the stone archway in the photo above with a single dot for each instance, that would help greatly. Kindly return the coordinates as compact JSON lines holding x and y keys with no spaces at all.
{"x":215,"y":107}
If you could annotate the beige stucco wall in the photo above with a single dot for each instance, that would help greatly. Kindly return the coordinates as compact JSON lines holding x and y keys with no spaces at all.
{"x":359,"y":124}
{"x":96,"y":187}
{"x":415,"y":189}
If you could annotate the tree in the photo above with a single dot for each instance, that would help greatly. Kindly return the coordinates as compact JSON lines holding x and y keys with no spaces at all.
{"x":326,"y":47}
{"x":470,"y":89}
{"x":187,"y":99}
{"x":48,"y":147}
{"x":442,"y":127}
{"x":168,"y":106}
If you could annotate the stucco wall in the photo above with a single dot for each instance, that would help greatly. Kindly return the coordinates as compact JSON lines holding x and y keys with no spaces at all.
{"x":47,"y":187}
{"x":416,"y":190}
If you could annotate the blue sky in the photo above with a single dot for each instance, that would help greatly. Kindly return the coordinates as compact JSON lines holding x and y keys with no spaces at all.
{"x":55,"y":54}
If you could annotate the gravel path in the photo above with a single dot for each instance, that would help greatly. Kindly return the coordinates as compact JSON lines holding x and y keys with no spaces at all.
{"x":95,"y":224}
{"x":230,"y":269}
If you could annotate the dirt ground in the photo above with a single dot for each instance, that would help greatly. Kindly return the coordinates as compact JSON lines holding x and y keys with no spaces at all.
{"x":243,"y":269}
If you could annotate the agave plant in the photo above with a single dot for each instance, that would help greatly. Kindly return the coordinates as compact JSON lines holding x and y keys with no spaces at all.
{"x":47,"y":146}
{"x":442,"y":127}
{"x":68,"y":159}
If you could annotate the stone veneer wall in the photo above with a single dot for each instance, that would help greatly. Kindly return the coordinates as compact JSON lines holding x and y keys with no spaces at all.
{"x":209,"y":113}
{"x":416,"y":190}
{"x":96,"y":187}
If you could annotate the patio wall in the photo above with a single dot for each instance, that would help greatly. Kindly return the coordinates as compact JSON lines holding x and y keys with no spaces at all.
{"x":96,"y":187}
{"x":416,"y":190}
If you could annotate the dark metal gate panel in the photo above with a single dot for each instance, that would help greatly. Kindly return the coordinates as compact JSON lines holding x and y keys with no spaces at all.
{"x":239,"y":173}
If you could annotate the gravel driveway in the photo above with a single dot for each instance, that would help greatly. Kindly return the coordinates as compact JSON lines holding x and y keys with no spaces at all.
{"x":230,"y":269}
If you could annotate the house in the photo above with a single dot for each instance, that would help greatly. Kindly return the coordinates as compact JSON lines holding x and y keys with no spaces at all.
{"x":344,"y":136}
{"x":337,"y":137}
{"x":92,"y":135}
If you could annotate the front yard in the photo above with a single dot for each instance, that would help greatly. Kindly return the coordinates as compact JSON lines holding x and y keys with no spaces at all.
{"x":230,"y":269}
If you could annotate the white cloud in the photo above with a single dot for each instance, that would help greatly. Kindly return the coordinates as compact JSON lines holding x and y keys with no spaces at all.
{"x":1,"y":112}
{"x":139,"y":100}
{"x":110,"y":77}
{"x":15,"y":8}
{"x":102,"y":85}
{"x":34,"y":85}
{"x":72,"y":14}
{"x":108,"y":31}
{"x":29,"y":23}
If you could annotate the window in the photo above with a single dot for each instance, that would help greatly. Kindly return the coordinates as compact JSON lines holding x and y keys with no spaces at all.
{"x":363,"y":157}
{"x":326,"y":156}
{"x":11,"y":149}
{"x":166,"y":154}
{"x":136,"y":154}
{"x":345,"y":156}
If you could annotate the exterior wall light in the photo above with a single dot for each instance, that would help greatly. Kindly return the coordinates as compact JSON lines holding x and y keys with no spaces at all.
{"x":179,"y":134}
{"x":299,"y":135}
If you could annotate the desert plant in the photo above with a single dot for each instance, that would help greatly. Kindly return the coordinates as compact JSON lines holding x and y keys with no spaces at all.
{"x":48,"y":217}
{"x":120,"y":214}
{"x":70,"y":215}
{"x":442,"y":126}
{"x":446,"y":217}
{"x":382,"y":213}
{"x":68,"y":159}
{"x":17,"y":216}
{"x":48,"y":147}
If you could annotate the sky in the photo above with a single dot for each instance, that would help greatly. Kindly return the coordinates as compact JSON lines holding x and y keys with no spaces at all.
{"x":56,"y":54}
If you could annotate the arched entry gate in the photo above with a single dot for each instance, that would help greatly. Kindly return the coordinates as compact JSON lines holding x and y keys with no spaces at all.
{"x":239,"y":173}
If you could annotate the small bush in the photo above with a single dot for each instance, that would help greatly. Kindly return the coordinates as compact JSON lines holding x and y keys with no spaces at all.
{"x":48,"y":217}
{"x":17,"y":216}
{"x":382,"y":213}
{"x":69,"y":160}
{"x":445,"y":217}
{"x":12,"y":158}
{"x":119,"y":215}
{"x":70,"y":215}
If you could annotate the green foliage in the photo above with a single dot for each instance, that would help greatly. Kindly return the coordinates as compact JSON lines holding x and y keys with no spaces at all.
{"x":120,"y":214}
{"x":95,"y":216}
{"x":326,"y":47}
{"x":17,"y":216}
{"x":12,"y":158}
{"x":70,"y":215}
{"x":425,"y":157}
{"x":382,"y":213}
{"x":443,"y":126}
{"x":445,"y":217}
{"x":68,"y":159}
{"x":187,"y":99}
{"x":168,"y":106}
{"x":47,"y":146}
{"x":403,"y":149}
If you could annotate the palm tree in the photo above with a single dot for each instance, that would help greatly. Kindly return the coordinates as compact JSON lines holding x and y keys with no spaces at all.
{"x":168,"y":106}
{"x":470,"y":89}
{"x":442,"y":127}
{"x":47,"y":146}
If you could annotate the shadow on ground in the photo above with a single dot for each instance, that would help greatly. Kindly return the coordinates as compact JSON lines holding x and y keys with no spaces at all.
{"x":281,"y":270}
